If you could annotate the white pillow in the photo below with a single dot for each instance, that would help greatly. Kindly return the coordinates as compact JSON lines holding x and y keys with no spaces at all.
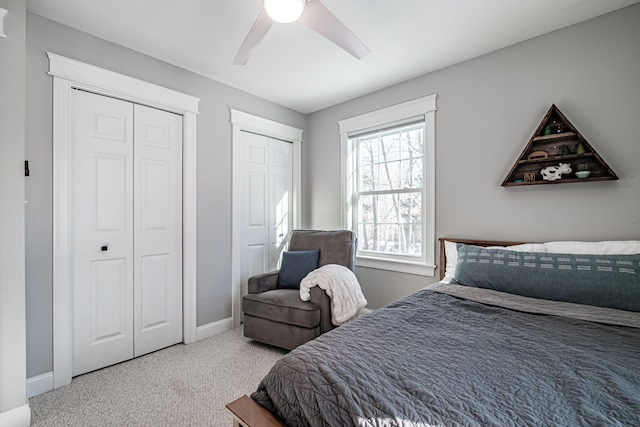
{"x":615,"y":247}
{"x":451,"y":254}
{"x":524,"y":247}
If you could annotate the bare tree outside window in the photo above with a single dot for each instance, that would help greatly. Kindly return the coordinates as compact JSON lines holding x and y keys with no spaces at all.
{"x":389,"y":193}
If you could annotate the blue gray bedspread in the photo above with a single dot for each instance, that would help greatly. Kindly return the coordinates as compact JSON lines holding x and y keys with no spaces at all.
{"x":433,"y":359}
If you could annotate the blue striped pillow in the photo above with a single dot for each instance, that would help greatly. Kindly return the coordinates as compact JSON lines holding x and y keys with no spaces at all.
{"x":611,"y":281}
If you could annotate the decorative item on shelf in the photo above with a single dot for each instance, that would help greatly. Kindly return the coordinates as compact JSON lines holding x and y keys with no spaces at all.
{"x":555,"y":150}
{"x":580,"y":148}
{"x":565,"y":150}
{"x":554,"y":173}
{"x":529,"y":176}
{"x":583,"y":171}
{"x":555,"y":127}
{"x":540,"y":154}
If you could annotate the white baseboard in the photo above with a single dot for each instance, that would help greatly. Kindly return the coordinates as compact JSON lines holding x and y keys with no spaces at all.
{"x":365,"y":311}
{"x":18,"y":417}
{"x":211,"y":329}
{"x":39,"y":384}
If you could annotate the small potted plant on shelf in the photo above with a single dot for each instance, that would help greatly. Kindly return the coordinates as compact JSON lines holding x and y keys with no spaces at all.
{"x":583,"y":171}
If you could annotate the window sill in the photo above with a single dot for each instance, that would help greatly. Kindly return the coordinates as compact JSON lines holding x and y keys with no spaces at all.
{"x":396,"y":265}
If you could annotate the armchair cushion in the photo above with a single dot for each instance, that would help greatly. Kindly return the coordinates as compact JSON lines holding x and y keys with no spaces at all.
{"x":295,"y":266}
{"x":283,"y":306}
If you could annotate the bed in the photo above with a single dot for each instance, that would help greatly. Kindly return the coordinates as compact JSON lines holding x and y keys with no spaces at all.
{"x":480,"y":348}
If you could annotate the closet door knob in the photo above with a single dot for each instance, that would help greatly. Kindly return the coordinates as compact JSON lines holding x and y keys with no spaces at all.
{"x":104,"y":248}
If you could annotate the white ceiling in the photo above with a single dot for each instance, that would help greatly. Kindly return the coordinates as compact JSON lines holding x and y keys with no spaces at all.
{"x":296,"y":67}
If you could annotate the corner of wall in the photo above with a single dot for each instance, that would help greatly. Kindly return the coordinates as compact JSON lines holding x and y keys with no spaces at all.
{"x":14,"y":407}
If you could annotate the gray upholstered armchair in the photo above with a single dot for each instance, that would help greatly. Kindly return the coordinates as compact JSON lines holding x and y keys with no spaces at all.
{"x":278,"y":316}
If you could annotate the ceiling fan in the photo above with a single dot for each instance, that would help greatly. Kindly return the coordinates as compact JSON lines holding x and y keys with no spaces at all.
{"x":311,"y":13}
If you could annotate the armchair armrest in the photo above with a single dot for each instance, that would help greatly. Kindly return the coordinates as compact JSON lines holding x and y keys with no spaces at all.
{"x":320,"y":298}
{"x":263,"y":282}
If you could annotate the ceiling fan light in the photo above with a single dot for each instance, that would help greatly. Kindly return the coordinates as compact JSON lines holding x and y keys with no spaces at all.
{"x":284,"y":11}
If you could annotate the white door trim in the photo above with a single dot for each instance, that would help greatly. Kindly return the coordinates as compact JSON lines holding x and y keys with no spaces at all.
{"x":69,"y":74}
{"x":241,"y":121}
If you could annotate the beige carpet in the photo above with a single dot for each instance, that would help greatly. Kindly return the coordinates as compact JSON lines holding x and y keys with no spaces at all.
{"x":178,"y":386}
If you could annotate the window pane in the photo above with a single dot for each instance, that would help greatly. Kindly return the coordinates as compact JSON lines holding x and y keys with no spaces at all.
{"x":391,"y":223}
{"x":391,"y":160}
{"x":412,"y":173}
{"x":367,"y":178}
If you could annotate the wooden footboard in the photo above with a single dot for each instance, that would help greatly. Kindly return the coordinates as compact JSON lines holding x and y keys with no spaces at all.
{"x":247,"y":413}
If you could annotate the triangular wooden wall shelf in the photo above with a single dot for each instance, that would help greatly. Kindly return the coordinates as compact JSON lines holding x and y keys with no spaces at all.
{"x":557,"y":141}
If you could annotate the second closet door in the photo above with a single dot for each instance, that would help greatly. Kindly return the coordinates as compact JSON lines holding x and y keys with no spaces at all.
{"x":266,"y":192}
{"x":157,"y":229}
{"x":126,"y":230}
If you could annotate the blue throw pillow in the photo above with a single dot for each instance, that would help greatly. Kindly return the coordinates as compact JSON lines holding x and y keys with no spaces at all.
{"x":295,"y":266}
{"x":600,"y":280}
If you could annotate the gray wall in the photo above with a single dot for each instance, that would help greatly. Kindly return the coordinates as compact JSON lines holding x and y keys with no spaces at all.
{"x":214,"y":169}
{"x":488,"y":108}
{"x":13,"y":391}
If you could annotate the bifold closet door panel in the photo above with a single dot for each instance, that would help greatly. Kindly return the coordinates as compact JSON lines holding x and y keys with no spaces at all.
{"x":101,"y":218}
{"x":280,"y":197}
{"x":157,"y":229}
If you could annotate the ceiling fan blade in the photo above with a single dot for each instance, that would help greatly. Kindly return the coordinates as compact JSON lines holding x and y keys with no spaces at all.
{"x":320,"y":19}
{"x":253,"y":39}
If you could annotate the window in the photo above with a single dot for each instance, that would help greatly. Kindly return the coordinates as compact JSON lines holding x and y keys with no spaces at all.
{"x":388,"y":194}
{"x":388,"y":186}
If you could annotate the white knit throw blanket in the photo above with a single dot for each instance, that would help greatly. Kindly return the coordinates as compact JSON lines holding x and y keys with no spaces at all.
{"x":342,"y":287}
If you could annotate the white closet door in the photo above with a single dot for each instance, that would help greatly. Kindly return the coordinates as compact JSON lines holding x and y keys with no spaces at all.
{"x":126,"y":221}
{"x":254,"y":216}
{"x":101,"y":229}
{"x":267,"y":202}
{"x":157,"y":229}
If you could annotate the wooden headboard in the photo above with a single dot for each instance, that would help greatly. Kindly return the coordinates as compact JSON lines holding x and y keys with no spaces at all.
{"x":443,"y":258}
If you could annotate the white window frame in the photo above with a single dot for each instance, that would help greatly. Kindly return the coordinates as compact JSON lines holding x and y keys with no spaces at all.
{"x":422,"y":107}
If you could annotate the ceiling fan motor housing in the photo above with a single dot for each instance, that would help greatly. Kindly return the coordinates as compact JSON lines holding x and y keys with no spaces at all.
{"x":284,"y":11}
